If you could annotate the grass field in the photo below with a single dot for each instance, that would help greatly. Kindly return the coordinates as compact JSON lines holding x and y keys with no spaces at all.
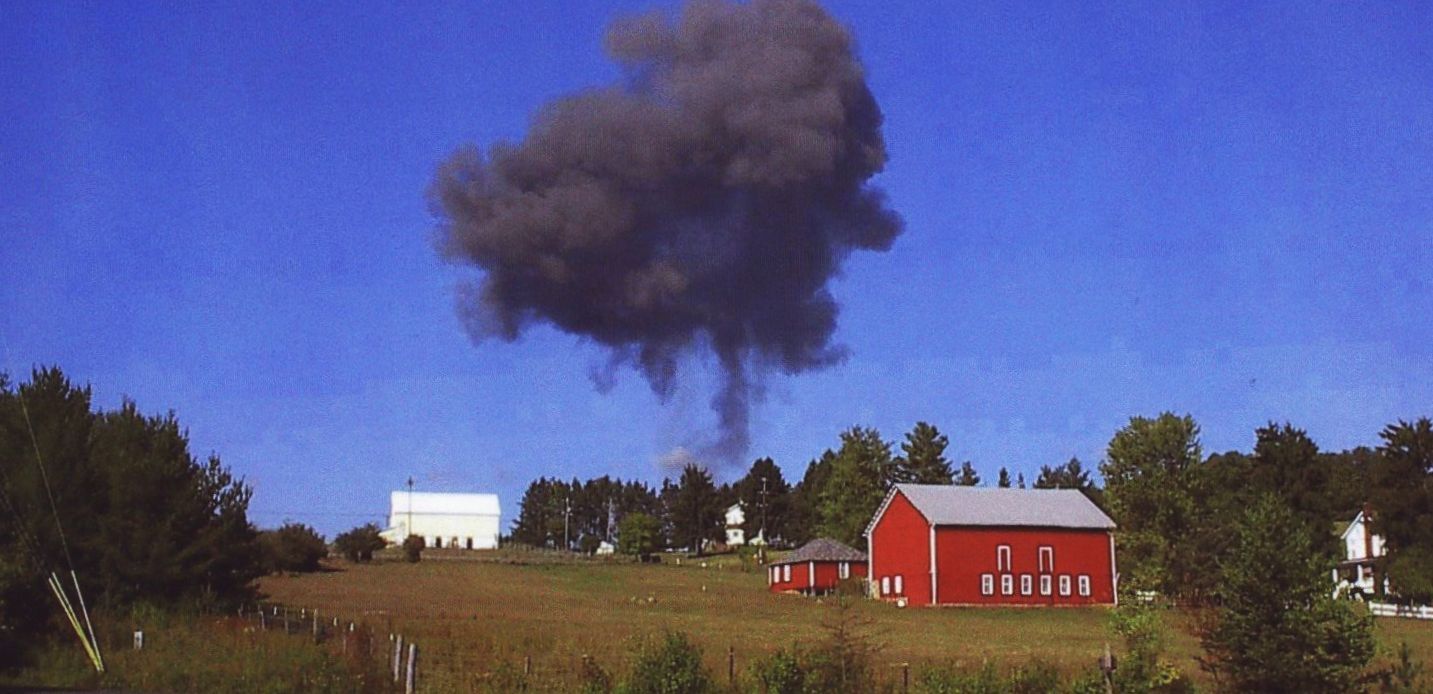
{"x":474,"y":619}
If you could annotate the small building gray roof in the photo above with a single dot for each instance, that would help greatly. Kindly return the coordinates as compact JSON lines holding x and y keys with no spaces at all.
{"x":822,"y":549}
{"x":945,"y":504}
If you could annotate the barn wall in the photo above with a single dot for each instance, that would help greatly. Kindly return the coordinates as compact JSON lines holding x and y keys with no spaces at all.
{"x":482,"y":529}
{"x":900,"y":546}
{"x":799,"y":580}
{"x":828,"y":574}
{"x":964,"y":555}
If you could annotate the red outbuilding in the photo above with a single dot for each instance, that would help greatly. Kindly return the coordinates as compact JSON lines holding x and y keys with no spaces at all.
{"x":815,"y":568}
{"x":953,"y":545}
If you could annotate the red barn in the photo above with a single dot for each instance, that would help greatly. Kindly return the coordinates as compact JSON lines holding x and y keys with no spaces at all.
{"x":952,"y":545}
{"x":815,"y":568}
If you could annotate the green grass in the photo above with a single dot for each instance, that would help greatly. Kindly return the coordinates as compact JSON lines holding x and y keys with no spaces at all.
{"x":477,"y":622}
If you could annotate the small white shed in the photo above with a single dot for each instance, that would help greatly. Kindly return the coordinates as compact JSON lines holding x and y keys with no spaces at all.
{"x":461,"y":521}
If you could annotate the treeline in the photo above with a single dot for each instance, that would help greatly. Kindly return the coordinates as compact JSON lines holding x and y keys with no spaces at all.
{"x":118,"y":497}
{"x":1178,"y":510}
{"x":835,"y":497}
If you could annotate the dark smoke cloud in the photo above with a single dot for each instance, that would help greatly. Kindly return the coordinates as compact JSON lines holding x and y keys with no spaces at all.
{"x":702,"y":204}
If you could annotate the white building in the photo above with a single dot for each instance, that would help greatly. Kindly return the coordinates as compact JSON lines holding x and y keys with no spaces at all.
{"x":1361,"y":548}
{"x":734,"y":518}
{"x":463,"y":521}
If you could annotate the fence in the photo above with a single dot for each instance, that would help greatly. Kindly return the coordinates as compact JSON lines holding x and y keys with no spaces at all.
{"x":1383,"y":609}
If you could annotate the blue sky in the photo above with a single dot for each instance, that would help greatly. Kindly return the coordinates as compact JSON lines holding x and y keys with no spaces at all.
{"x":1218,"y":209}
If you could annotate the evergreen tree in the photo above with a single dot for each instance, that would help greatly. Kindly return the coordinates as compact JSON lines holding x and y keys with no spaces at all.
{"x":923,"y":457}
{"x":694,"y":509}
{"x":805,"y":516}
{"x":144,"y":520}
{"x":1287,"y":463}
{"x":1276,"y":628}
{"x":1004,"y":480}
{"x":1020,"y":480}
{"x":1071,"y":475}
{"x":860,"y":476}
{"x":765,"y":498}
{"x":967,"y":476}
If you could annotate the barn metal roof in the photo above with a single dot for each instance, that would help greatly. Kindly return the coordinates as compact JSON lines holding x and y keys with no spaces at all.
{"x":822,"y":549}
{"x":445,"y":504}
{"x":944,"y":504}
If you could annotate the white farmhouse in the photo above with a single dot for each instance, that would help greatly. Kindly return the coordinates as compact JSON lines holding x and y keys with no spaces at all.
{"x":1361,"y":548}
{"x":734,"y":518}
{"x":462,"y":521}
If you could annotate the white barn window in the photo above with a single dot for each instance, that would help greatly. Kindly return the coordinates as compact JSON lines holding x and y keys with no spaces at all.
{"x":845,"y":571}
{"x":1045,"y":585}
{"x":1025,"y":584}
{"x":1007,"y":584}
{"x":786,"y":572}
{"x":1002,"y":558}
{"x":1085,"y":586}
{"x":987,"y":584}
{"x":900,"y":585}
{"x":1047,"y":559}
{"x":1065,"y":586}
{"x":885,"y":585}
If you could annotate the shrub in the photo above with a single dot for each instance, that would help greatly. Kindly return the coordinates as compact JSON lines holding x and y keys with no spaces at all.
{"x":673,"y":667}
{"x":360,"y":543}
{"x":1405,"y":676}
{"x":594,"y":679}
{"x":1034,"y":678}
{"x":843,"y":661}
{"x":1144,"y":667}
{"x":413,"y":549}
{"x":779,"y":673}
{"x":293,"y":547}
{"x":1276,"y":628}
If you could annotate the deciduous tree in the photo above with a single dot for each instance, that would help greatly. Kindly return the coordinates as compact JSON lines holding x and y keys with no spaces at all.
{"x":1149,"y":474}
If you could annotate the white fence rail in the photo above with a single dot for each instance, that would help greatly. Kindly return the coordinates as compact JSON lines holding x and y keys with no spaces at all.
{"x":1383,"y":609}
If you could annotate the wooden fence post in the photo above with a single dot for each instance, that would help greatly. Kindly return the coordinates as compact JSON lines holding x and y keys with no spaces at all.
{"x":731,"y":666}
{"x":412,"y":680}
{"x":526,"y":665}
{"x":905,"y":677}
{"x":397,"y":658}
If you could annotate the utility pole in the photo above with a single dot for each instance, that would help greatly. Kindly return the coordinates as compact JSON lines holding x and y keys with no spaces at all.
{"x":763,"y":510}
{"x":609,"y":519}
{"x":410,"y":505}
{"x":566,"y":515}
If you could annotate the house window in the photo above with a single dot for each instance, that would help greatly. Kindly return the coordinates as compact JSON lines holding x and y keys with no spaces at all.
{"x":786,"y":573}
{"x":1085,"y":586}
{"x":1065,"y":586}
{"x":1007,"y":584}
{"x":1044,"y":585}
{"x":438,"y":542}
{"x":470,"y":543}
{"x":1025,"y":584}
{"x":885,"y":585}
{"x":1047,"y":559}
{"x":845,"y":569}
{"x":987,"y":584}
{"x":900,"y":586}
{"x":1002,"y":558}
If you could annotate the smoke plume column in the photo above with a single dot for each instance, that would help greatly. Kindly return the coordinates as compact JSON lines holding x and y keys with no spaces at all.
{"x":703,"y":203}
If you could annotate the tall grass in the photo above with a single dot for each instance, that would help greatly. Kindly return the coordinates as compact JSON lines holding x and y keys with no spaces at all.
{"x":192,"y":653}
